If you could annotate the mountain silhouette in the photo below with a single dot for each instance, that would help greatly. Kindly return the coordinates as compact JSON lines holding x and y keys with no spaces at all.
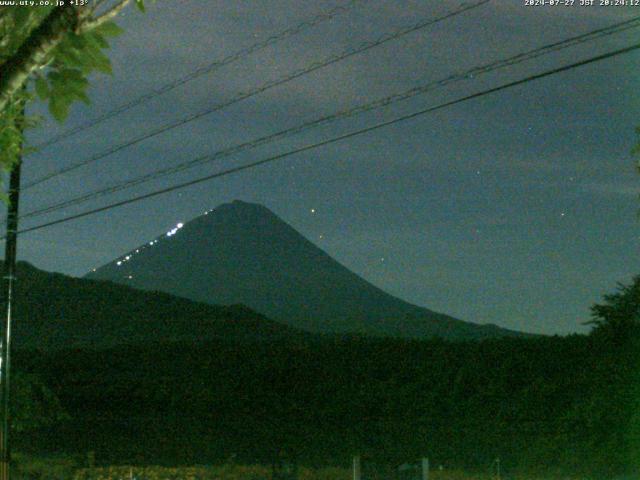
{"x":242,"y":253}
{"x":54,"y":311}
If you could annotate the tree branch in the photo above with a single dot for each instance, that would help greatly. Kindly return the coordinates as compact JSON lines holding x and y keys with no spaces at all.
{"x":15,"y":71}
{"x":105,"y":17}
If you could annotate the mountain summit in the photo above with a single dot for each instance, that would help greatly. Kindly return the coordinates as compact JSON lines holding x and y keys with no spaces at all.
{"x":243,"y":253}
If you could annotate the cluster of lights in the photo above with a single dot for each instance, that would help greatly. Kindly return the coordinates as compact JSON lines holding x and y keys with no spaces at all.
{"x":175,"y":229}
{"x":129,"y":256}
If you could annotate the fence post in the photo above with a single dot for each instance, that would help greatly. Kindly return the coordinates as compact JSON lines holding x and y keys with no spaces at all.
{"x":425,"y":469}
{"x":357,"y":471}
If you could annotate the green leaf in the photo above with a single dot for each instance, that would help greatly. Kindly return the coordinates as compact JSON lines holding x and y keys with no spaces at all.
{"x":109,"y":29}
{"x":140,"y":5}
{"x":83,"y":97}
{"x":69,"y":56}
{"x":102,"y":63}
{"x":42,"y":87}
{"x":54,"y":77}
{"x":78,"y":41}
{"x":95,"y":40}
{"x":71,"y":75}
{"x":22,"y":15}
{"x":59,"y":108}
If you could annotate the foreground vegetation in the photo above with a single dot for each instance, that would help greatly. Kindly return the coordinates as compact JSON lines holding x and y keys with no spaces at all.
{"x":54,"y":470}
{"x":549,"y":407}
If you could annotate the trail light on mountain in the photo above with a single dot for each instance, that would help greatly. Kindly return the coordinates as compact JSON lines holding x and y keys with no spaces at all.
{"x":174,"y":230}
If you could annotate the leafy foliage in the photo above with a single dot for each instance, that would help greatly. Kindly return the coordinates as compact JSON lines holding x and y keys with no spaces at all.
{"x":226,"y":472}
{"x":620,"y":311}
{"x":30,"y":467}
{"x":72,"y":61}
{"x":35,"y":406}
{"x":62,"y":76}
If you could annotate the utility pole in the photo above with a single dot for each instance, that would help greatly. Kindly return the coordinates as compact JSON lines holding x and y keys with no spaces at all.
{"x":8,"y":280}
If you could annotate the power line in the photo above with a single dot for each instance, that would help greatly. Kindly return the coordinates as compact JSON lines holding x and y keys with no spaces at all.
{"x":470,"y":73}
{"x":334,"y":139}
{"x":204,"y":70}
{"x":264,"y":87}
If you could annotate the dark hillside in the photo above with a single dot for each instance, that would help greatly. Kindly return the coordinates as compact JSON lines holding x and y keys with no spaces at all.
{"x":55,"y":311}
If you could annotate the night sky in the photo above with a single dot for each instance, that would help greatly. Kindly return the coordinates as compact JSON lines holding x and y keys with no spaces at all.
{"x":518,"y":208}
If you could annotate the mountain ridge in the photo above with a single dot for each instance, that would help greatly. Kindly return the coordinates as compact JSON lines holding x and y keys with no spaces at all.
{"x":243,"y":253}
{"x":55,"y":311}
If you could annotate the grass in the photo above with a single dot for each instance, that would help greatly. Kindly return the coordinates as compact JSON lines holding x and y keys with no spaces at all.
{"x":258,"y":472}
{"x":50,"y":468}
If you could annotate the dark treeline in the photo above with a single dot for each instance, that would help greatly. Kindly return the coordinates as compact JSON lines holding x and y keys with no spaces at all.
{"x":547,"y":405}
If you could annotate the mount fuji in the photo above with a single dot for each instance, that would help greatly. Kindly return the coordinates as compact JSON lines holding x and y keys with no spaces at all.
{"x":243,"y":253}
